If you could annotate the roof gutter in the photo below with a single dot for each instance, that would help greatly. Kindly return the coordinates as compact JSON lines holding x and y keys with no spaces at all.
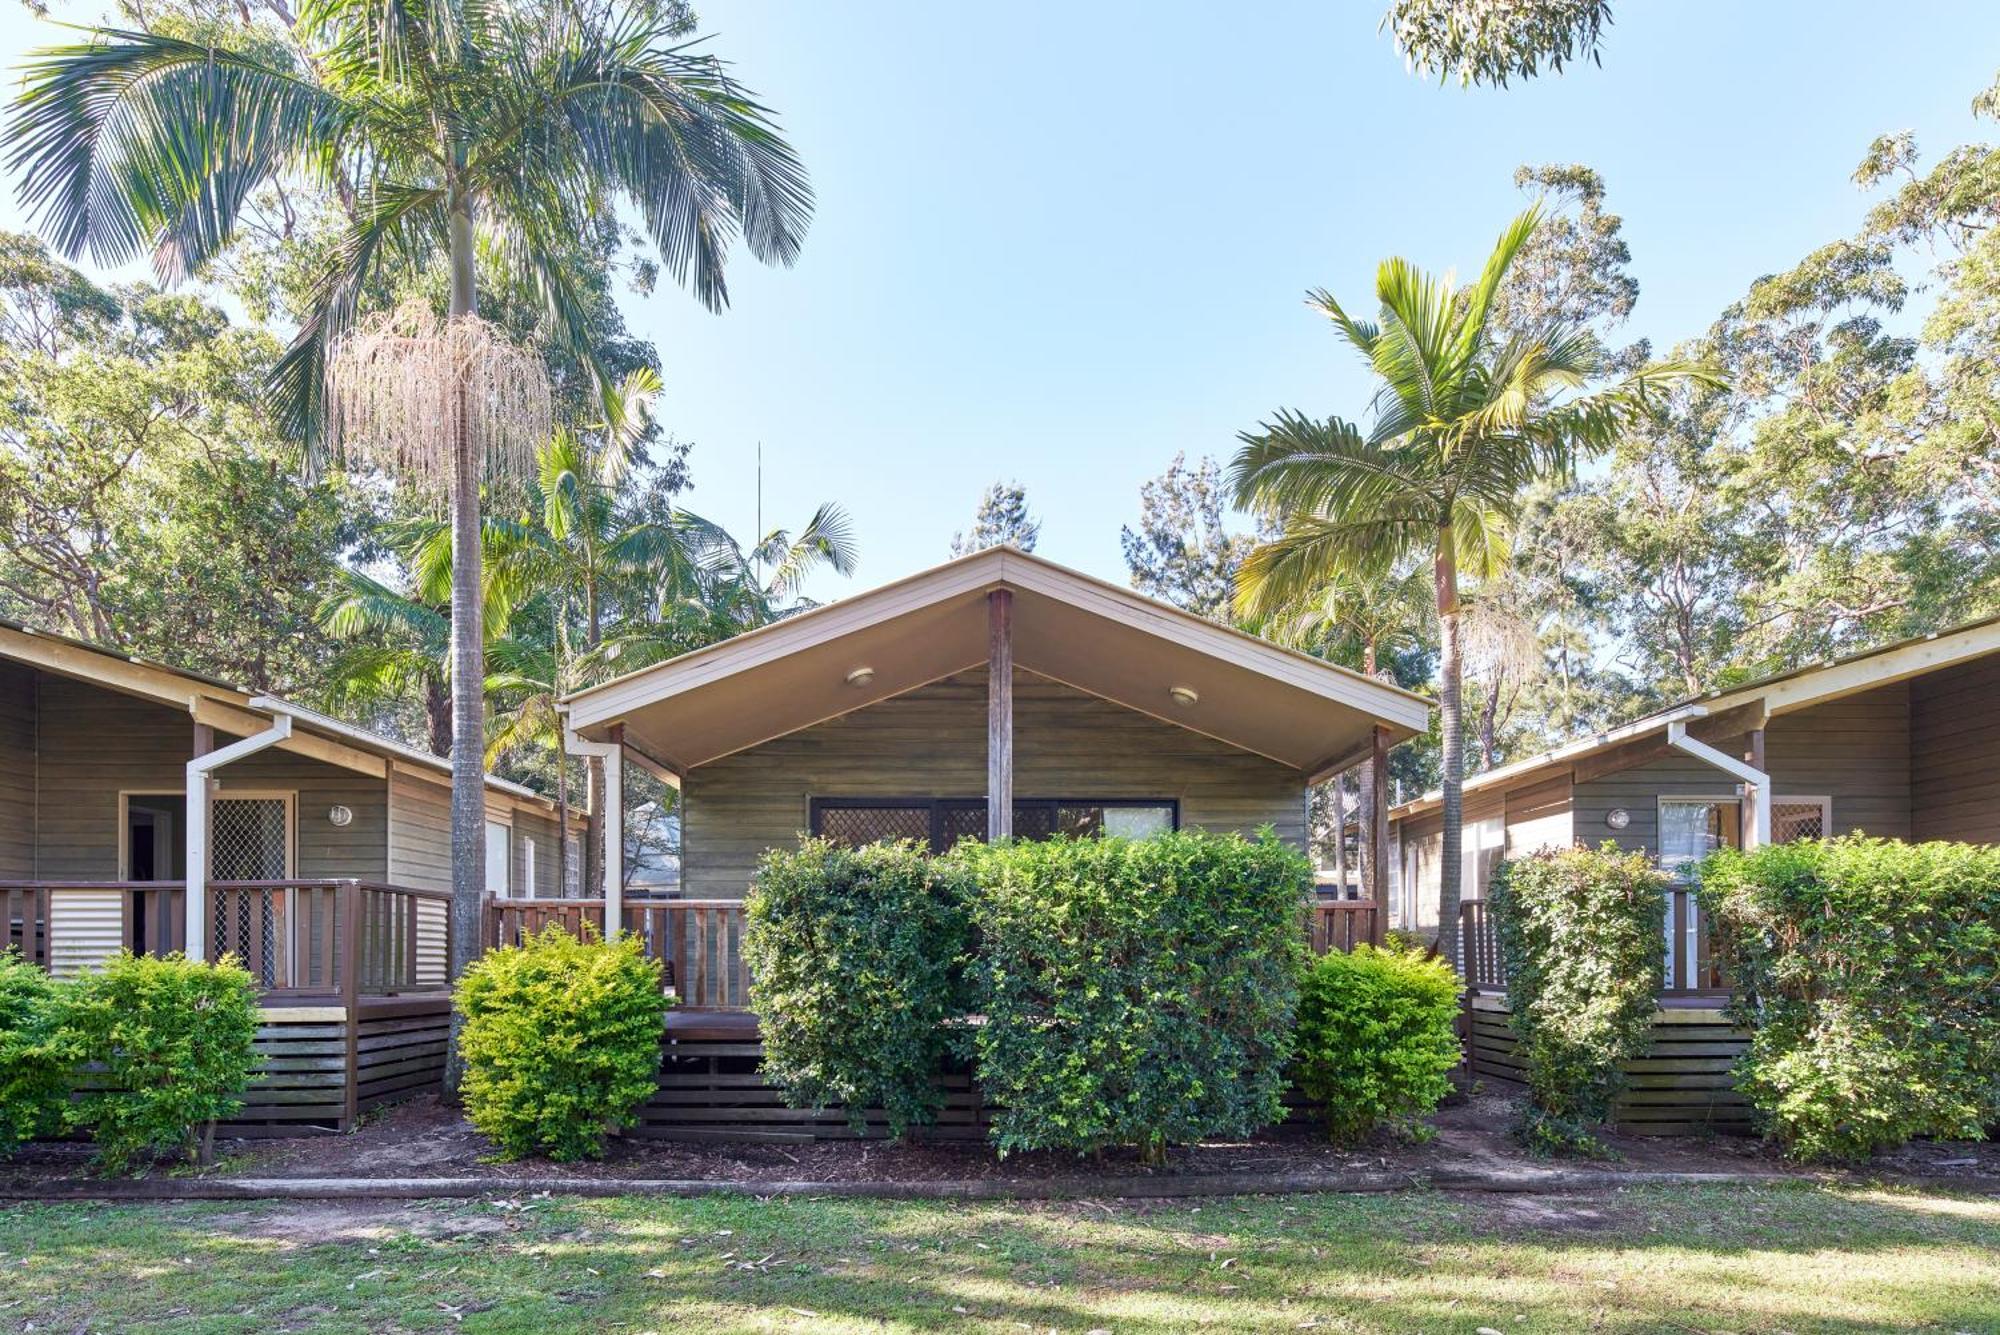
{"x":1575,"y":750}
{"x":1756,"y":783}
{"x":368,"y":741}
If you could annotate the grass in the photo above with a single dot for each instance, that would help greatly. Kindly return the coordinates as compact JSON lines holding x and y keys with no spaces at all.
{"x":1794,"y":1259}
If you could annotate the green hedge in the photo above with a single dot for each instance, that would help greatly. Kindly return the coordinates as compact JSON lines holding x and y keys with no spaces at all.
{"x":1583,"y":934}
{"x":561,"y":1041}
{"x":1136,"y":992}
{"x":858,"y":962}
{"x":1869,"y":971}
{"x":165,"y":1050}
{"x":1378,"y":1038}
{"x":33,"y":1076}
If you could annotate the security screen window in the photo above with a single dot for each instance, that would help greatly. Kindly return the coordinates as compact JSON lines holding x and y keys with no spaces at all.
{"x":943,"y":822}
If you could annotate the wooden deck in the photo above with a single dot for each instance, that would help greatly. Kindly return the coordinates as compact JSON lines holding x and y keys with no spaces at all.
{"x":355,"y":1011}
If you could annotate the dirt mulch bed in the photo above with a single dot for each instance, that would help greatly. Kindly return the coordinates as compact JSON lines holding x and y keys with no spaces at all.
{"x":426,"y":1139}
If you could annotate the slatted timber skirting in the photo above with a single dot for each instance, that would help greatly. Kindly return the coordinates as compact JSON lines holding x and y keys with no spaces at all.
{"x":1682,"y":1087}
{"x":712,"y":1088}
{"x":317,"y":1070}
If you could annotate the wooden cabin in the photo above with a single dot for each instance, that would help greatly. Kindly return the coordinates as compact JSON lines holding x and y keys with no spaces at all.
{"x":1902,"y":742}
{"x":997,"y":695}
{"x":155,"y":809}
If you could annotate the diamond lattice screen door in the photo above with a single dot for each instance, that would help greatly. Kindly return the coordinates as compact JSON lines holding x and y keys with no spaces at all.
{"x":251,"y":840}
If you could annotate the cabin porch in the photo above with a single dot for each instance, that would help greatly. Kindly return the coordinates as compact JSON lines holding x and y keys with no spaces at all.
{"x":355,"y":1009}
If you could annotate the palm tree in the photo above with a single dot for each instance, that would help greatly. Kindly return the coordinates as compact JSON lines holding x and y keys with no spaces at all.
{"x":395,"y":645}
{"x":450,"y":131}
{"x":1463,"y":422}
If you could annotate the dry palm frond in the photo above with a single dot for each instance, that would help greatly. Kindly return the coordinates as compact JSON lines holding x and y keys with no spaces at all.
{"x":402,"y":386}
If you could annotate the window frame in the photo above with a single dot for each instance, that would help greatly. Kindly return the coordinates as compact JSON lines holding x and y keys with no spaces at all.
{"x":1824,"y":802}
{"x":937,"y":806}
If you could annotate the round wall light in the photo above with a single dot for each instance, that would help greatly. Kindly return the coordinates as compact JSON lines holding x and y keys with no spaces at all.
{"x":861,"y":676}
{"x":1618,"y":818}
{"x":1184,"y":696}
{"x":340,"y":816}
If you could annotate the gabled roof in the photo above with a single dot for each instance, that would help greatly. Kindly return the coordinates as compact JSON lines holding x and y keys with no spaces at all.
{"x":1089,"y":634}
{"x":215,"y":702}
{"x":1765,"y":697}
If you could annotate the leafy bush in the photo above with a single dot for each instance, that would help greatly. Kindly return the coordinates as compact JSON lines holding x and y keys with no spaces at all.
{"x":1136,"y":991}
{"x":857,"y":957}
{"x":166,"y":1043}
{"x":1868,"y":970}
{"x":1378,"y":1038}
{"x":1583,"y":934}
{"x":561,"y":1041}
{"x":33,"y":1075}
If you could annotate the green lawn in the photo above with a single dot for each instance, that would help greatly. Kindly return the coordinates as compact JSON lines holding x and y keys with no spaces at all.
{"x":1792,"y":1259}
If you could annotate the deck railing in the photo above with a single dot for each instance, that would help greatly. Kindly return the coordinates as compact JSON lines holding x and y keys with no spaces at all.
{"x":1691,"y":969}
{"x":1343,"y":924}
{"x":297,"y":938}
{"x":698,"y":941}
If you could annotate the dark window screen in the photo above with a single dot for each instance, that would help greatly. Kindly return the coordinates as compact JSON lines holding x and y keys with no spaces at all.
{"x":944,"y":822}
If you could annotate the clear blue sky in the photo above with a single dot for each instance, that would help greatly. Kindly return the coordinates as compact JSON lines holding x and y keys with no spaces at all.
{"x":1060,"y":242}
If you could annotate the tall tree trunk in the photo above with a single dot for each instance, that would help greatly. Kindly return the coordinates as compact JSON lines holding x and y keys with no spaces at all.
{"x":1340,"y":831}
{"x":593,"y":766}
{"x":562,"y":822}
{"x":1452,"y":727}
{"x":1364,"y":806}
{"x":437,"y":710}
{"x":468,"y":657}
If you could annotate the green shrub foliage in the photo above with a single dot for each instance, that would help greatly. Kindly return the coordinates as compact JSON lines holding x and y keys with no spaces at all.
{"x":1869,"y":972}
{"x":33,"y":1075}
{"x":164,"y":1044}
{"x":857,"y":957}
{"x":1136,"y":991}
{"x":1378,"y":1038}
{"x":1583,"y":935}
{"x":560,"y":1042}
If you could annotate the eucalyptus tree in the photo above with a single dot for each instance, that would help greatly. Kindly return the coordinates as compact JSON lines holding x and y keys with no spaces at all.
{"x":452,"y":130}
{"x":1464,"y":422}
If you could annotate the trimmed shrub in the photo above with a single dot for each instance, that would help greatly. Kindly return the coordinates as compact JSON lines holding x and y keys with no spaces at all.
{"x":1583,"y":935}
{"x":1378,"y":1038}
{"x":560,"y":1041}
{"x":1868,"y":970}
{"x":857,"y":957}
{"x":33,"y":1075}
{"x":1136,"y":992}
{"x":166,"y":1047}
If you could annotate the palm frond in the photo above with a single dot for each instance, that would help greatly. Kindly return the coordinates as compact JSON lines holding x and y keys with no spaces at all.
{"x":136,"y":140}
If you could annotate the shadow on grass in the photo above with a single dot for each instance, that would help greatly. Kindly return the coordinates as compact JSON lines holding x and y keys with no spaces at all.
{"x":1791,"y":1258}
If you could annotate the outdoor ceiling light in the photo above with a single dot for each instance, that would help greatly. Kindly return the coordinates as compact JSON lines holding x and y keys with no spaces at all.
{"x":861,"y":676}
{"x":1184,"y":696}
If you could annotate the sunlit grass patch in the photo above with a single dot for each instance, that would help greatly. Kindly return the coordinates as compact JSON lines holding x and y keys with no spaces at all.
{"x":1800,"y":1259}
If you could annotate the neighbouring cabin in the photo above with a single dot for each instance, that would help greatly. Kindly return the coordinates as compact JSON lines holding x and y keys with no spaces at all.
{"x":318,"y":854}
{"x":1902,"y":742}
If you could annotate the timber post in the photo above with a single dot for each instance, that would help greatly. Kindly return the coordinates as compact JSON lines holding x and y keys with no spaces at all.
{"x":999,"y":714}
{"x":1377,"y":816}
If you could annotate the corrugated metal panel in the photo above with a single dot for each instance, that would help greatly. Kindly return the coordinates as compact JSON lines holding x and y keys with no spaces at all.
{"x":432,"y":966}
{"x":86,"y":927}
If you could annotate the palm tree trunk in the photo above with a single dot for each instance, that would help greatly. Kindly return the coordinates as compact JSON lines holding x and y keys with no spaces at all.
{"x":468,"y":658}
{"x":1452,"y":728}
